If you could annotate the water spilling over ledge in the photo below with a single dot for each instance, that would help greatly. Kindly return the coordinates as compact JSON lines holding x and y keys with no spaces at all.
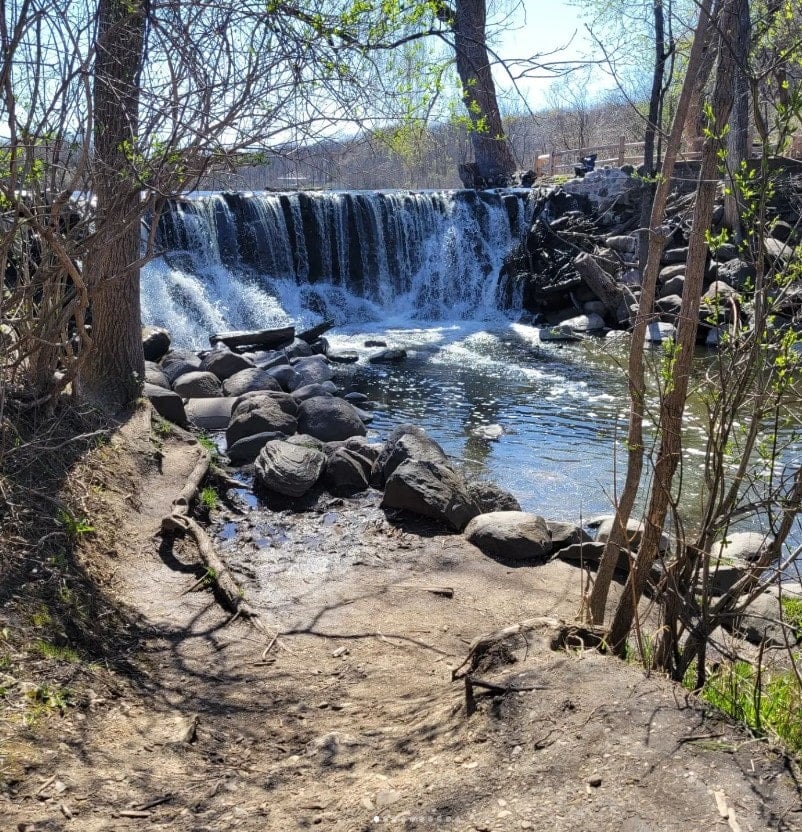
{"x":240,"y":261}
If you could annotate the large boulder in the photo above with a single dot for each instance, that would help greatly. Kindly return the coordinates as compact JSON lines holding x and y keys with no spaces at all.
{"x":430,"y":489}
{"x":743,"y":547}
{"x":329,"y":419}
{"x":510,"y":535}
{"x":405,"y":442}
{"x":166,"y":403}
{"x":155,"y":343}
{"x":288,"y":468}
{"x":634,"y":531}
{"x":224,"y":363}
{"x":251,"y":400}
{"x":391,"y":355}
{"x":309,"y":391}
{"x":245,"y":450}
{"x":313,"y":370}
{"x":286,"y":376}
{"x":264,"y":415}
{"x":346,"y":472}
{"x":174,"y":368}
{"x":249,"y":380}
{"x":209,"y":414}
{"x":155,"y":375}
{"x":490,"y":497}
{"x":736,"y":273}
{"x":198,"y":385}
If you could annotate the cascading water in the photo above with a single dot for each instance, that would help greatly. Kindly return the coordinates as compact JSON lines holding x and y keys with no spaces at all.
{"x":236,"y":261}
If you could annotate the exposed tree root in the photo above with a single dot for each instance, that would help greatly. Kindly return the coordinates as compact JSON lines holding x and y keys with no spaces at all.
{"x":226,"y":588}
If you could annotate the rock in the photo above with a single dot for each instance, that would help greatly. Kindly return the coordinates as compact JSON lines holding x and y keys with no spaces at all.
{"x":762,"y":623}
{"x":565,"y":534}
{"x":593,"y":307}
{"x":245,"y":450}
{"x":198,"y":385}
{"x":298,"y":349}
{"x":175,"y":368}
{"x":155,"y":343}
{"x":782,"y":231}
{"x":356,"y":398}
{"x":430,"y":489}
{"x":623,"y":244}
{"x":511,"y":535}
{"x":489,"y":497}
{"x":248,"y":401}
{"x":209,"y":414}
{"x":287,"y":468}
{"x":286,"y":376}
{"x":672,"y":286}
{"x":258,"y":338}
{"x":586,"y":554}
{"x":634,"y":532}
{"x":659,"y":331}
{"x":264,"y":416}
{"x":667,"y":272}
{"x":740,"y":546}
{"x":669,"y":307}
{"x":265,"y":359}
{"x":778,"y":250}
{"x":584,"y":323}
{"x":388,"y":356}
{"x":249,"y":381}
{"x":166,"y":403}
{"x":346,"y":472}
{"x":154,"y":375}
{"x":736,"y":273}
{"x":343,"y":357}
{"x":224,"y":363}
{"x":374,"y":342}
{"x":309,"y":391}
{"x":725,"y":252}
{"x":675,"y":255}
{"x":405,"y":442}
{"x":314,"y":369}
{"x":630,"y":277}
{"x":363,"y":448}
{"x":328,"y":419}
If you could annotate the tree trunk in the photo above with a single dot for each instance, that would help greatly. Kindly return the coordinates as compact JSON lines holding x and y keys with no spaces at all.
{"x":114,"y":369}
{"x":637,"y":387}
{"x":738,"y":137}
{"x":493,"y":164}
{"x":673,"y":403}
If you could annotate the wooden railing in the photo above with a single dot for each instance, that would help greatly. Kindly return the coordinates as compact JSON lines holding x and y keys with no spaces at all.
{"x":623,"y":152}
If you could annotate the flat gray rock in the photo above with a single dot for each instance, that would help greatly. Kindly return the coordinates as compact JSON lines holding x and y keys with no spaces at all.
{"x":209,"y":414}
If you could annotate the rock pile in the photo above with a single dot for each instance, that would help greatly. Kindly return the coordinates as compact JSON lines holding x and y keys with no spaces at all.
{"x":580,"y":265}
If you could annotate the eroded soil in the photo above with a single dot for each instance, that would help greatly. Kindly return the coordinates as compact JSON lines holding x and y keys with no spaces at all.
{"x":350,"y":720}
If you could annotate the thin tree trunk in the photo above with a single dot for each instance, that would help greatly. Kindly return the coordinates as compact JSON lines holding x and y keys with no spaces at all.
{"x":114,"y":369}
{"x":637,"y":386}
{"x":494,"y":163}
{"x":673,"y":403}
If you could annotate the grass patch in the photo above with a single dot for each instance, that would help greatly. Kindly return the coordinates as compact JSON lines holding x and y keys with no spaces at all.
{"x":792,"y":612}
{"x":209,"y":498}
{"x":769,"y":703}
{"x":56,"y":652}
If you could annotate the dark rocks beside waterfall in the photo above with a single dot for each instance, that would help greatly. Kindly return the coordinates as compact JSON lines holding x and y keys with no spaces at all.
{"x":597,"y":218}
{"x":155,"y":343}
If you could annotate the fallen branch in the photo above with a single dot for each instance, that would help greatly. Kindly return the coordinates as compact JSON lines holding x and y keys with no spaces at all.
{"x":480,"y":645}
{"x":472,"y":682}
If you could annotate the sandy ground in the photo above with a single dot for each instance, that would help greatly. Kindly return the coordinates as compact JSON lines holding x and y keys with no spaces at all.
{"x":351,"y":720}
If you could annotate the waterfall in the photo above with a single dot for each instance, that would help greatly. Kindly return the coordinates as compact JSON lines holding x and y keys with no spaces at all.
{"x":246,"y":261}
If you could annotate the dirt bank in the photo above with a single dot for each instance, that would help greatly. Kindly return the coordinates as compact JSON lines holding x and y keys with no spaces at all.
{"x":350,"y":720}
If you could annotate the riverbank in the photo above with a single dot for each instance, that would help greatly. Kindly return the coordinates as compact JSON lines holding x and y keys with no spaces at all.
{"x":180,"y":719}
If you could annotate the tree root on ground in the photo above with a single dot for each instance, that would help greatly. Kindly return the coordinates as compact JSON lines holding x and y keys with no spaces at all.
{"x":226,"y":588}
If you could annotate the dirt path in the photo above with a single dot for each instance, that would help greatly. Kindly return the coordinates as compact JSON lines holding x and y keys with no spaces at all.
{"x":351,"y":721}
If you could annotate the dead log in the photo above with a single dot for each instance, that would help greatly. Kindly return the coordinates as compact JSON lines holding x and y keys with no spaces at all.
{"x":616,"y":298}
{"x":265,"y":338}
